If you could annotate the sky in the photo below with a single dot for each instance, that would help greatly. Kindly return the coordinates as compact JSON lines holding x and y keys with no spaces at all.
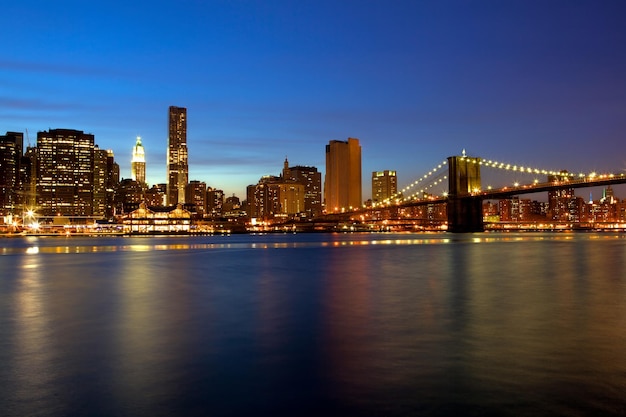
{"x":538,"y":83}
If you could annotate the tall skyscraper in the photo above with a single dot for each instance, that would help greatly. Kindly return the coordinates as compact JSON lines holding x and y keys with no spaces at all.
{"x":11,"y":149}
{"x":342,"y":185}
{"x":65,"y":173}
{"x":177,"y":156}
{"x":100,"y":179}
{"x":384,"y":185}
{"x":113,"y":179}
{"x":138,"y":163}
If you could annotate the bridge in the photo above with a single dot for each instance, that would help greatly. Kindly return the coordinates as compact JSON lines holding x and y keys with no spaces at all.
{"x":465,"y":195}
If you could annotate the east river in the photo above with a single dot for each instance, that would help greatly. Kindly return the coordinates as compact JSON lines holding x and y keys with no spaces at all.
{"x":490,"y":324}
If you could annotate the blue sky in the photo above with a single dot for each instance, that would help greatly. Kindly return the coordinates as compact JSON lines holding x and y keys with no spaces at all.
{"x":536,"y":83}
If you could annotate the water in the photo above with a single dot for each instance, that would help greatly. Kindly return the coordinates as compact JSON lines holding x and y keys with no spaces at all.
{"x":314,"y":324}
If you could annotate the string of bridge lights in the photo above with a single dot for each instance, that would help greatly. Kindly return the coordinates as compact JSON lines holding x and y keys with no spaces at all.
{"x":520,"y":168}
{"x":399,"y":196}
{"x":437,"y":171}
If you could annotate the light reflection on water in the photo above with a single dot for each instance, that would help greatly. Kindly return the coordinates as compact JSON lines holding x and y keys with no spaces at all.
{"x":494,"y":324}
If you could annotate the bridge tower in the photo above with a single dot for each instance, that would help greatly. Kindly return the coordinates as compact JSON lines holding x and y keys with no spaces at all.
{"x":465,"y":211}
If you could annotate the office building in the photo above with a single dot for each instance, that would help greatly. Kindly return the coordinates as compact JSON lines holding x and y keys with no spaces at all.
{"x":561,"y":203}
{"x":100,"y":180}
{"x":342,"y":184}
{"x":65,"y":173}
{"x":311,"y":179}
{"x":156,"y":196}
{"x":113,"y":179}
{"x":128,"y":196}
{"x":177,"y":156}
{"x":274,"y":197}
{"x":214,"y":202}
{"x":384,"y":185}
{"x":195,"y":195}
{"x":11,"y":149}
{"x":138,"y":163}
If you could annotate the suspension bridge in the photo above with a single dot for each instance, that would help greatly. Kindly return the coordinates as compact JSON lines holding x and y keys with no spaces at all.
{"x":456,"y":183}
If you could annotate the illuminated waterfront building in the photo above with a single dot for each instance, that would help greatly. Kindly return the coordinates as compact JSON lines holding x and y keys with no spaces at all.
{"x":232,"y":206}
{"x":138,"y":162}
{"x":65,"y":173}
{"x":177,"y":156}
{"x":195,"y":194}
{"x":275,"y":197}
{"x":11,"y":148}
{"x":129,"y":195}
{"x":155,"y":196}
{"x":214,"y":202}
{"x":342,"y":184}
{"x":311,"y":179}
{"x":384,"y":185}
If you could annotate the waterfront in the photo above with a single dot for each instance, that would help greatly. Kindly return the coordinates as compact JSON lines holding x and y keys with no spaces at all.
{"x":314,"y":324}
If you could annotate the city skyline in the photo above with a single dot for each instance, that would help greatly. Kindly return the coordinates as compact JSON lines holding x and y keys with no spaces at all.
{"x":527,"y":82}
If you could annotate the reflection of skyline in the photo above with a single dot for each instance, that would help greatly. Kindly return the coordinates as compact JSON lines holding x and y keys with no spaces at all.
{"x":418,"y":323}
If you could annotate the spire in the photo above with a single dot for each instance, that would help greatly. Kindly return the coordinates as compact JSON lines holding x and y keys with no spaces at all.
{"x":286,"y":173}
{"x":138,"y":162}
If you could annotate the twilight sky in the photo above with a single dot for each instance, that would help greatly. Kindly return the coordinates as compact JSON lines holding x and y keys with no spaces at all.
{"x":539,"y":83}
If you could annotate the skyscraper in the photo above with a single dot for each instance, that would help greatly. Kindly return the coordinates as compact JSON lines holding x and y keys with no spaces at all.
{"x":100,"y":179}
{"x":138,"y":163}
{"x":177,"y":157}
{"x":312,"y":181}
{"x":11,"y":146}
{"x":384,"y":185}
{"x":342,"y":185}
{"x":65,"y":172}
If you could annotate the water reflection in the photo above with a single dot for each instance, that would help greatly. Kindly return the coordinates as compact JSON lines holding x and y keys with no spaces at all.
{"x":502,"y":324}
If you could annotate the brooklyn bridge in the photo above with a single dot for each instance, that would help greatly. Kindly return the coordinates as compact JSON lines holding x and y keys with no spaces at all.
{"x":459,"y":207}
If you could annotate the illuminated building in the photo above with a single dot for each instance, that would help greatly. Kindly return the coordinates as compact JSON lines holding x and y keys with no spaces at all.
{"x":560,"y":201}
{"x":214,"y":202}
{"x":232,"y":206}
{"x":155,"y":196}
{"x":129,"y":195}
{"x":11,"y":148}
{"x":113,"y":179}
{"x":28,"y":178}
{"x":311,"y":179}
{"x":177,"y":156}
{"x":195,"y":194}
{"x":155,"y":221}
{"x":275,"y":197}
{"x":138,"y":163}
{"x":342,"y":184}
{"x":100,"y":180}
{"x":65,"y":173}
{"x":384,"y":185}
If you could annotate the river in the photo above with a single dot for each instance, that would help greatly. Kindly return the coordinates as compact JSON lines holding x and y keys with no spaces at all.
{"x":490,"y":324}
